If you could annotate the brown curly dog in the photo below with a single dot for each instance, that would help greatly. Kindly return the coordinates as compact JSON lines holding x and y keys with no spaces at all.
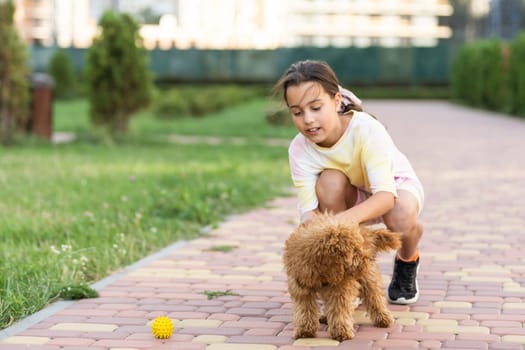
{"x":337,"y":263}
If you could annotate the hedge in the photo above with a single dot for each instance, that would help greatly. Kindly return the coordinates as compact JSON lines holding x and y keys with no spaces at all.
{"x":490,"y":74}
{"x":517,"y":76}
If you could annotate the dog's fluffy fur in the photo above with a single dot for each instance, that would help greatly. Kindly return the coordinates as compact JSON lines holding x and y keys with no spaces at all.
{"x":337,"y":263}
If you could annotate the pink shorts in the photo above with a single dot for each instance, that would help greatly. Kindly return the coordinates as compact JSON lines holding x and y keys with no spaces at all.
{"x":402,"y":183}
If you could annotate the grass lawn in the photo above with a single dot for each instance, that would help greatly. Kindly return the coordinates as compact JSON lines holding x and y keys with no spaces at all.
{"x":244,"y":120}
{"x":73,"y":213}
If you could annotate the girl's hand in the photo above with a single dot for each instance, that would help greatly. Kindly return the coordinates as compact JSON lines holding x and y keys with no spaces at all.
{"x":373,"y":207}
{"x":347,"y":218}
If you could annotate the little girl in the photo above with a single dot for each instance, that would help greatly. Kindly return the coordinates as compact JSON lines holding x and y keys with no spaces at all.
{"x":344,"y":161}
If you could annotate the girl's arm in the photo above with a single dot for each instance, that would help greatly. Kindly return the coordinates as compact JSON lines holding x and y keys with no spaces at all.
{"x":375,"y":206}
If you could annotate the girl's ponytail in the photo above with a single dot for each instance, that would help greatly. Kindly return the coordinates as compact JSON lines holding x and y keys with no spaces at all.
{"x":349,"y":102}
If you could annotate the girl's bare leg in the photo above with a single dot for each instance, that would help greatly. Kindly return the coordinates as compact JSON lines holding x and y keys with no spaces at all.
{"x":404,"y":218}
{"x":334,"y":191}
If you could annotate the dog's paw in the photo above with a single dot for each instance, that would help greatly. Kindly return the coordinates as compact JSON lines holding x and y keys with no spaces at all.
{"x":342,"y":333}
{"x":302,"y":333}
{"x":384,"y":320}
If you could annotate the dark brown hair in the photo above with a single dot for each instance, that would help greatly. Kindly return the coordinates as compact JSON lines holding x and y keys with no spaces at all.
{"x":310,"y":70}
{"x":304,"y":71}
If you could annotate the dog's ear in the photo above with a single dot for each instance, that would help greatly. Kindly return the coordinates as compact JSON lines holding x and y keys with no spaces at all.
{"x":381,"y":239}
{"x":343,"y":252}
{"x":314,"y":252}
{"x":298,"y":261}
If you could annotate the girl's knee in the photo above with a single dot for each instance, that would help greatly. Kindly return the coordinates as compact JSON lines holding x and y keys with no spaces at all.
{"x":404,"y":216}
{"x":331,"y":179}
{"x":334,"y":191}
{"x":403,"y":220}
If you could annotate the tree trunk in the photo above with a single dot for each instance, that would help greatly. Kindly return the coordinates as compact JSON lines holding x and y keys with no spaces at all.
{"x":120,"y":124}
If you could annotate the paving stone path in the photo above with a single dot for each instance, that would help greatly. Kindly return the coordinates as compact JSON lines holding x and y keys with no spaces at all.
{"x":472,"y":274}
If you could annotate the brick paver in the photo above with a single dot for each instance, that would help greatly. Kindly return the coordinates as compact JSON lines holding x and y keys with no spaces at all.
{"x":472,"y":275}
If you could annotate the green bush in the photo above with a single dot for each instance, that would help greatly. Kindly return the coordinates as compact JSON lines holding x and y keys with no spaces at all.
{"x":171,"y":104}
{"x":459,"y":82}
{"x":492,"y":78}
{"x":468,"y":77}
{"x":202,"y":101}
{"x":478,"y":75}
{"x":490,"y":74}
{"x":61,"y":69}
{"x":119,"y":80}
{"x":517,"y":76}
{"x":197,"y":101}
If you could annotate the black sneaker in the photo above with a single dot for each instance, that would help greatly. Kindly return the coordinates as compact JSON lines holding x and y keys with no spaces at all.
{"x":403,"y":288}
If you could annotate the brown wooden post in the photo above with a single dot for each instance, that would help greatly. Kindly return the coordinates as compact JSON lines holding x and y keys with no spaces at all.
{"x":42,"y":105}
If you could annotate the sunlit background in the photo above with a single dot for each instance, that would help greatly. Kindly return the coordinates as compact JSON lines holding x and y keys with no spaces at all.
{"x":269,"y":24}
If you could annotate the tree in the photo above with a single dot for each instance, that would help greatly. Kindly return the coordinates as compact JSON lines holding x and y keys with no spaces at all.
{"x":63,"y":73}
{"x":14,"y":76}
{"x":119,"y":81}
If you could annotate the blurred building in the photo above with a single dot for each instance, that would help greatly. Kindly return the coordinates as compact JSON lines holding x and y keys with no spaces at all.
{"x":243,"y":24}
{"x":264,"y":24}
{"x":234,"y":24}
{"x":366,"y":22}
{"x":55,"y":22}
{"x":34,"y":21}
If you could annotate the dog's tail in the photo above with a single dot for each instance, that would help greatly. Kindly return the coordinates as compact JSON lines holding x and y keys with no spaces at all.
{"x":381,"y":239}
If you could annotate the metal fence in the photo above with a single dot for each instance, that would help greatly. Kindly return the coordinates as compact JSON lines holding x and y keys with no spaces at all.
{"x":356,"y":66}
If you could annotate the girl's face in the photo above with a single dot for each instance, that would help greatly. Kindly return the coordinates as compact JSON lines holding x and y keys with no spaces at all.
{"x":314,"y":113}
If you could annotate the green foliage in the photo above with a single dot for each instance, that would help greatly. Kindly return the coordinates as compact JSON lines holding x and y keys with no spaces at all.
{"x":14,"y":72}
{"x":171,"y":104}
{"x":461,"y":73}
{"x":490,"y":74}
{"x":517,"y":75}
{"x":493,"y":75}
{"x":479,"y":74}
{"x":198,"y":101}
{"x":244,"y":120}
{"x":61,"y":69}
{"x":76,"y":290}
{"x":119,"y":81}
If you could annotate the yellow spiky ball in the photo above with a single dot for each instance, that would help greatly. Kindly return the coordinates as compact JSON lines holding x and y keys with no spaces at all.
{"x":162,"y":327}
